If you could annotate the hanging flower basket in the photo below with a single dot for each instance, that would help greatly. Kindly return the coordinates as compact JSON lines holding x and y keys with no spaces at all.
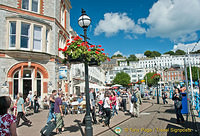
{"x":78,"y":51}
{"x":94,"y":63}
{"x":75,"y":61}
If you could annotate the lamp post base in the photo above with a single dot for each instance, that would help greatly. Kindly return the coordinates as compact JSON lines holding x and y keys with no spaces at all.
{"x":88,"y":126}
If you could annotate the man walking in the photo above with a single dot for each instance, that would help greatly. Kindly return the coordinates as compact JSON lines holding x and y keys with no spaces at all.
{"x":124,"y":97}
{"x":137,"y":102}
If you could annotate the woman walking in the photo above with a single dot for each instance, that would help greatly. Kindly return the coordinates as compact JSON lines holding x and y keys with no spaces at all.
{"x":7,"y":121}
{"x":21,"y":111}
{"x":113,"y":100}
{"x":59,"y":113}
{"x":107,"y":109}
{"x":178,"y":105}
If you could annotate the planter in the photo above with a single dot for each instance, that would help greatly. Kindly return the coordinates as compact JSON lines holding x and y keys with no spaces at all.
{"x":94,"y":63}
{"x":75,"y":61}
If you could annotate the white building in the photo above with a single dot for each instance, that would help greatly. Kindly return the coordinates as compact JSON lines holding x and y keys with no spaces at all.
{"x":135,"y":73}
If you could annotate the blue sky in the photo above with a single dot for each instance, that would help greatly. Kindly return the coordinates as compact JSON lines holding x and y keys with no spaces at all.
{"x":134,"y":26}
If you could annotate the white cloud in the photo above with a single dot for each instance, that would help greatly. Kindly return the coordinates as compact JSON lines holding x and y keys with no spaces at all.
{"x":115,"y":22}
{"x":175,"y":19}
{"x":185,"y":47}
{"x":118,"y":52}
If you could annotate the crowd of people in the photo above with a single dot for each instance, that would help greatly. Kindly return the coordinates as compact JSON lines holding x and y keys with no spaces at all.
{"x":103,"y":106}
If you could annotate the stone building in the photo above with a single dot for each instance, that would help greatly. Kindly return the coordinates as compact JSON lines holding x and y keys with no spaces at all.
{"x":31,"y":31}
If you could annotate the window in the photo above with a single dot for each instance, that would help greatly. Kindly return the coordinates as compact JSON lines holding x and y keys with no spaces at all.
{"x":37,"y":38}
{"x":25,"y":4}
{"x":32,"y":5}
{"x":12,"y":36}
{"x":47,"y":40}
{"x":62,"y":15}
{"x":25,"y":33}
{"x":35,"y":5}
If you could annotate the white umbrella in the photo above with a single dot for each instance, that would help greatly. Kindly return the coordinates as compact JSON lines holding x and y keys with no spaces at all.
{"x":91,"y":85}
{"x":116,"y":85}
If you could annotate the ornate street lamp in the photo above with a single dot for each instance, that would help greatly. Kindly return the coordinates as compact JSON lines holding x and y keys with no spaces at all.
{"x":84,"y":21}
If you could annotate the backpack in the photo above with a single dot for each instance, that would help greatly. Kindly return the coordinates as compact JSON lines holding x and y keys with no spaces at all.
{"x":134,"y":98}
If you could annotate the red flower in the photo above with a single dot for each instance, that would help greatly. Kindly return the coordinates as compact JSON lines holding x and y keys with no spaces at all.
{"x":87,"y":46}
{"x":72,"y":37}
{"x":102,"y":49}
{"x":59,"y":49}
{"x":99,"y":45}
{"x":98,"y":49}
{"x":65,"y":48}
{"x":68,"y":40}
{"x":78,"y":45}
{"x":68,"y":43}
{"x":108,"y":59}
{"x":96,"y":52}
{"x":89,"y":49}
{"x":91,"y":46}
{"x":103,"y":53}
{"x":72,"y":41}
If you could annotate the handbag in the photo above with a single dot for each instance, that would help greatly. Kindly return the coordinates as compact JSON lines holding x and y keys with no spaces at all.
{"x":178,"y":104}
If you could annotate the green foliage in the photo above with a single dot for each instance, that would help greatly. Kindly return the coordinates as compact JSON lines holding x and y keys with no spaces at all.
{"x":150,"y":80}
{"x":180,"y":52}
{"x":194,"y":73}
{"x":122,"y":78}
{"x":147,"y":53}
{"x":118,"y":55}
{"x":151,"y":54}
{"x":170,"y":53}
{"x":132,"y":57}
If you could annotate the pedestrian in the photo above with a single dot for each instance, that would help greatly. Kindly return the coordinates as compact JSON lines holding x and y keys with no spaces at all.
{"x":59,"y":113}
{"x":92,"y":105}
{"x":30,"y":96}
{"x":7,"y":121}
{"x":164,"y":97}
{"x":177,"y":97}
{"x":36,"y":104}
{"x":51,"y":104}
{"x":107,"y":109}
{"x":113,"y":100}
{"x":21,"y":111}
{"x":137,"y":102}
{"x":124,"y":97}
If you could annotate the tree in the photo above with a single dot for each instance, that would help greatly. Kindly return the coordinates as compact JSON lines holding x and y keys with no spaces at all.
{"x":194,"y":73}
{"x":180,"y":52}
{"x":132,"y":57}
{"x":118,"y":55}
{"x":155,"y":54}
{"x":150,"y":80}
{"x":170,"y":53}
{"x":122,"y":78}
{"x":152,"y":54}
{"x":147,"y":53}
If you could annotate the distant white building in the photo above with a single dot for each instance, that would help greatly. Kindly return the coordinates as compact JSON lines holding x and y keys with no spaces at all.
{"x":135,"y":73}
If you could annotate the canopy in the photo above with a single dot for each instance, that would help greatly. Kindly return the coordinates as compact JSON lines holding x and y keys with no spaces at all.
{"x":91,"y":85}
{"x":116,"y":85}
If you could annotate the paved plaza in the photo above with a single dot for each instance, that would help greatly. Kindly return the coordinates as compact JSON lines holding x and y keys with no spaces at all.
{"x":155,"y":120}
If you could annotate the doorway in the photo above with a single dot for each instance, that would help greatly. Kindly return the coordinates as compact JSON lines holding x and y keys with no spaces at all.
{"x":27,"y":86}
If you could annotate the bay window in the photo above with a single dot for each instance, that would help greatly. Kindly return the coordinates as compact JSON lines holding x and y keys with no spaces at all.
{"x":25,"y":34}
{"x":12,"y":34}
{"x":37,"y":38}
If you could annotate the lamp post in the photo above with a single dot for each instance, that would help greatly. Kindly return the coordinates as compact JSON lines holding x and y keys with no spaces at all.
{"x":84,"y":21}
{"x":157,"y":86}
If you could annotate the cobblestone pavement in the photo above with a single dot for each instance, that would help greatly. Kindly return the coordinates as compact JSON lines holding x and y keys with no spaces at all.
{"x":155,"y":120}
